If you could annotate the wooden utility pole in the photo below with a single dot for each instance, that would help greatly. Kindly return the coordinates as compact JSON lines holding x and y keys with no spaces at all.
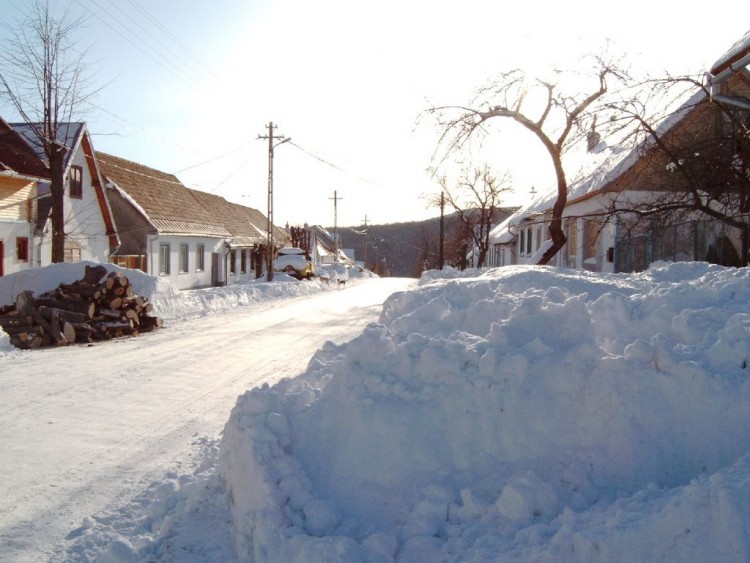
{"x":335,"y":199}
{"x":365,"y":258}
{"x":442,"y":230}
{"x":271,"y":138}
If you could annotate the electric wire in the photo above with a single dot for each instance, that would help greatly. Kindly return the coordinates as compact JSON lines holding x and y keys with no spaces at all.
{"x":154,"y":38}
{"x":171,"y":36}
{"x":332,"y":165}
{"x":96,"y":13}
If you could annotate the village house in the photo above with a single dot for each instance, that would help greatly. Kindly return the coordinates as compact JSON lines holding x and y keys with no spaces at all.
{"x":25,"y":202}
{"x":622,"y":177}
{"x":192,"y":238}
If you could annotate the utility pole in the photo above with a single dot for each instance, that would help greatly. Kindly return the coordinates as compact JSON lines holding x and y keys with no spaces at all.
{"x":271,"y":138}
{"x":366,"y":235}
{"x":442,"y":230}
{"x":335,"y":199}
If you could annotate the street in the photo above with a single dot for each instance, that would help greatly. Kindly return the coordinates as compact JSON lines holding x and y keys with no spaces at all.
{"x":86,"y":427}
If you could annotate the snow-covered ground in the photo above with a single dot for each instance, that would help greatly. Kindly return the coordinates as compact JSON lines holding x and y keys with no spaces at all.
{"x":517,"y":414}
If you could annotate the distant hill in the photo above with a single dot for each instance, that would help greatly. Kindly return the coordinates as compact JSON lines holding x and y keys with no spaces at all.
{"x":405,"y":249}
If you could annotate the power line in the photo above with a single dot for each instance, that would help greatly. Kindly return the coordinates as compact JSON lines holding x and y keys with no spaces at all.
{"x":171,"y":36}
{"x":96,"y":14}
{"x":214,"y":159}
{"x":332,"y":165}
{"x":155,"y":39}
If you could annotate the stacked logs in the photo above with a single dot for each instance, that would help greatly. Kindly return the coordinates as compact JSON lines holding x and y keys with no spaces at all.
{"x":98,"y":307}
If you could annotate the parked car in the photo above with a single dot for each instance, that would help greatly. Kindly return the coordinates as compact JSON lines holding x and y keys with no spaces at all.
{"x":295,"y":262}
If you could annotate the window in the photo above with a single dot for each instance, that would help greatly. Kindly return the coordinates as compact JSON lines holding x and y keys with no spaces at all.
{"x":591,"y":234}
{"x":71,"y":254}
{"x":528,"y":241}
{"x":572,"y":239}
{"x":164,"y":255}
{"x":233,"y":262}
{"x":184,"y":252}
{"x":522,"y":246}
{"x":22,"y":249}
{"x":200,"y":259}
{"x":75,"y":179}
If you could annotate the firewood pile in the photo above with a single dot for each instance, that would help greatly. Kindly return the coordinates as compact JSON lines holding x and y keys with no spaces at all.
{"x":98,"y":307}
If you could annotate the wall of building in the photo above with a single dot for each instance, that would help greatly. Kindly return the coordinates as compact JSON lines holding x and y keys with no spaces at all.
{"x":86,"y":232}
{"x":166,"y":260}
{"x":16,"y":226}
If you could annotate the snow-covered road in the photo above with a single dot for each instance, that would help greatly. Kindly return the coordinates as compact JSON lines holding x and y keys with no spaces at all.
{"x":84,"y":428}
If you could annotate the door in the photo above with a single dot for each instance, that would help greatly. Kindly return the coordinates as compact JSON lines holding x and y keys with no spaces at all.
{"x":215,"y":269}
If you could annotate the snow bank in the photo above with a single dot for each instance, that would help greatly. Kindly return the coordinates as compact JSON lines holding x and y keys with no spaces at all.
{"x":520,"y":414}
{"x":170,"y":303}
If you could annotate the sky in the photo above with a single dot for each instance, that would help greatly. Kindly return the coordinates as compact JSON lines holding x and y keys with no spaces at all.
{"x":188,"y":87}
{"x":514,"y":414}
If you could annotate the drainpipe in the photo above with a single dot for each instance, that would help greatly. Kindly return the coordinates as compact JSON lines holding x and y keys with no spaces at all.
{"x":713,"y":81}
{"x":733,"y":67}
{"x":150,"y":239}
{"x":732,"y":101}
{"x":227,"y":252}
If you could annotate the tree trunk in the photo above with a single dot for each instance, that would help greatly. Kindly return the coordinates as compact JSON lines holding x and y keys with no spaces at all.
{"x":57,"y":193}
{"x":87,"y":308}
{"x":66,"y":315}
{"x":555,"y":227}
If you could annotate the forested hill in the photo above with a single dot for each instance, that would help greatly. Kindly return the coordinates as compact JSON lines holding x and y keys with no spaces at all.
{"x":406,"y":249}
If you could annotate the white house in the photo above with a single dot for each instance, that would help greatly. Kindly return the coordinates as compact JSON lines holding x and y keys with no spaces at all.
{"x":25,"y":202}
{"x":192,"y":238}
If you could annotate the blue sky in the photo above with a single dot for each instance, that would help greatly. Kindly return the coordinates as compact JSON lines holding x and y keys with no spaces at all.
{"x":187,"y":86}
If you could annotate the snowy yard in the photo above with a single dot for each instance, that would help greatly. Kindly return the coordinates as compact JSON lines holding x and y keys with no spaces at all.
{"x":517,"y":414}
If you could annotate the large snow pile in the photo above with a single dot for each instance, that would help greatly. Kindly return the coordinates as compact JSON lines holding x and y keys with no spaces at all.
{"x":170,"y":303}
{"x":525,"y":414}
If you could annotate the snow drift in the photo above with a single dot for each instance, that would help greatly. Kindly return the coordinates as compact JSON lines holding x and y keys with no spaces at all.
{"x":513,"y":415}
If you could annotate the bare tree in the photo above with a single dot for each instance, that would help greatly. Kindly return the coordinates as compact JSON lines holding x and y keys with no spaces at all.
{"x":695,"y":159}
{"x":557,"y":122}
{"x":475,"y":197}
{"x":43,"y":75}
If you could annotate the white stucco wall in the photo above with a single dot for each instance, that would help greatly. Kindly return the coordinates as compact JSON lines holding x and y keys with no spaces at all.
{"x":193,"y":277}
{"x":84,"y":223}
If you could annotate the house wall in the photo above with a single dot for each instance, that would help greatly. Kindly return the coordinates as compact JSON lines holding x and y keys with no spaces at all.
{"x":16,"y":223}
{"x":529,"y":239}
{"x":193,"y":276}
{"x":594,"y":237}
{"x":132,"y":227}
{"x":86,"y":233}
{"x":501,"y":254}
{"x":244,"y":264}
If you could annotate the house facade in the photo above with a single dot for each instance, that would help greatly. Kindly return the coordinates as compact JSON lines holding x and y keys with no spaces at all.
{"x":25,"y":202}
{"x":192,"y":238}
